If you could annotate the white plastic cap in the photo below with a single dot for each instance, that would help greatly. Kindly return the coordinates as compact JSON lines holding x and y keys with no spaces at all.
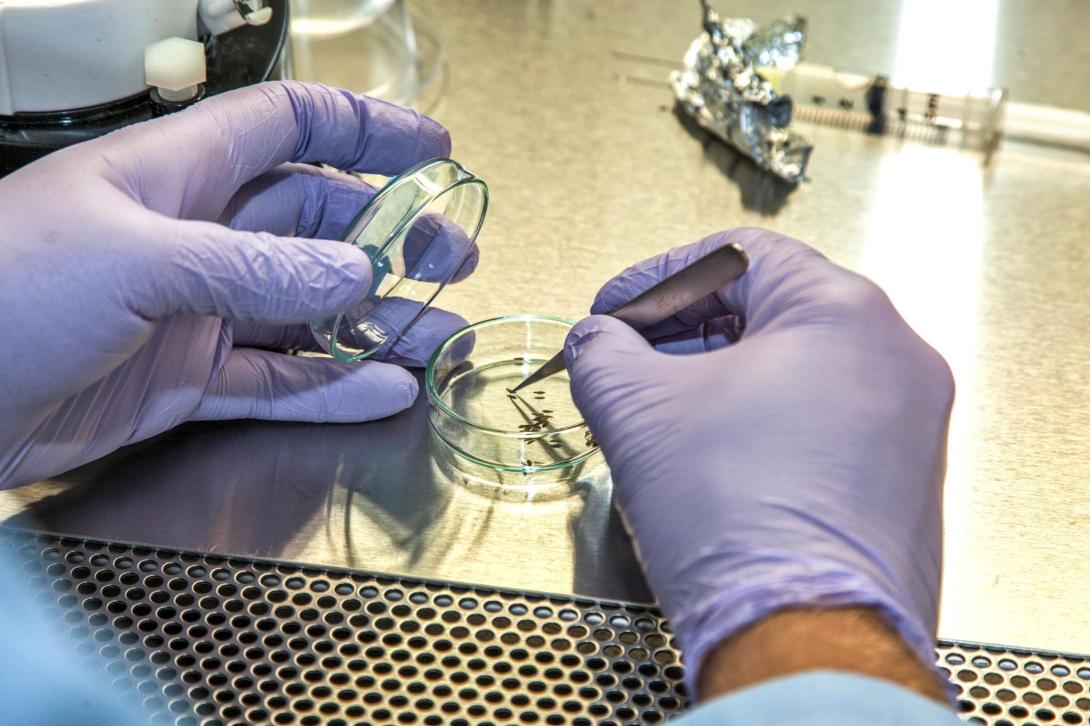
{"x":175,"y":67}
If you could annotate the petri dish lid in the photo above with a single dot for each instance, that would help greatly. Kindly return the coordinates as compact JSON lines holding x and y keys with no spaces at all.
{"x":420,"y":233}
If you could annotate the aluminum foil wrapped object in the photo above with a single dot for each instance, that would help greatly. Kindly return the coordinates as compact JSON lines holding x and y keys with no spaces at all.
{"x":723,"y":89}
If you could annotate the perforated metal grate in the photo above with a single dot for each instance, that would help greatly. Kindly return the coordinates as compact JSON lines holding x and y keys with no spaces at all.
{"x":1007,"y":686}
{"x":203,"y":639}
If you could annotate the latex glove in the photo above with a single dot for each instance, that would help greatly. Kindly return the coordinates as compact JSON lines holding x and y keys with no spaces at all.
{"x":799,"y":466}
{"x":149,"y":276}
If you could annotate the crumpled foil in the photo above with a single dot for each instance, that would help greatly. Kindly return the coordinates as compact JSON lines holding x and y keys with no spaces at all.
{"x":722,"y":88}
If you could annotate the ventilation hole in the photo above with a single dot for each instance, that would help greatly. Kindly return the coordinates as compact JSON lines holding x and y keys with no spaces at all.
{"x":966,"y":676}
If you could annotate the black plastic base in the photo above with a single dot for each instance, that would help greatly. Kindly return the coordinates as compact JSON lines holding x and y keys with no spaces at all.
{"x":240,"y":58}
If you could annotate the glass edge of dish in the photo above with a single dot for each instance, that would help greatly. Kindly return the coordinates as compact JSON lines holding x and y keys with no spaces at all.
{"x":469,"y":178}
{"x":558,"y":466}
{"x":433,"y":395}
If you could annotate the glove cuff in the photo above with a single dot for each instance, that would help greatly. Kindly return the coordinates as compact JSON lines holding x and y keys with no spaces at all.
{"x":818,"y":585}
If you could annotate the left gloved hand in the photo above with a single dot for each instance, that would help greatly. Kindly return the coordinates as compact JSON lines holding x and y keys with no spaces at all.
{"x":148,"y":276}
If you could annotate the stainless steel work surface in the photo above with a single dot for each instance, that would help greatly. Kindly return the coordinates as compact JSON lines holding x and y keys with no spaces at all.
{"x":589,"y":170}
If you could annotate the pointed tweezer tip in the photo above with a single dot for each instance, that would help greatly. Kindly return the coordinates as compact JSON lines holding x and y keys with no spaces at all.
{"x":550,"y":367}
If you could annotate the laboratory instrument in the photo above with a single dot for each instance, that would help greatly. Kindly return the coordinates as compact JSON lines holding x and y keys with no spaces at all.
{"x":878,"y":105}
{"x":473,"y":411}
{"x":420,"y":232}
{"x":777,"y":86}
{"x":668,"y":297}
{"x":75,"y":71}
{"x":974,"y":119}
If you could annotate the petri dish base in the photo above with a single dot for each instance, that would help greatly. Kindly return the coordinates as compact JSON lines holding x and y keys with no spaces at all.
{"x":516,"y":486}
{"x":535,"y":435}
{"x":374,"y":47}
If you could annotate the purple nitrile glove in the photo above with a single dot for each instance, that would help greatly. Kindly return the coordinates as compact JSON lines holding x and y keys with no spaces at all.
{"x":790,"y":453}
{"x":148,"y":277}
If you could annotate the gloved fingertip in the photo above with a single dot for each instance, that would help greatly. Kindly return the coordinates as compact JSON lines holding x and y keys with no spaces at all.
{"x":367,"y":391}
{"x":463,"y":347}
{"x":580,"y":333}
{"x":592,"y":328}
{"x":433,"y":138}
{"x":416,"y":345}
{"x":409,"y":388}
{"x":352,"y":274}
{"x":437,"y":134}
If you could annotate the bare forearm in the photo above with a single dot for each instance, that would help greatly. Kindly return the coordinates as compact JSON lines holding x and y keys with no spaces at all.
{"x":856,"y":640}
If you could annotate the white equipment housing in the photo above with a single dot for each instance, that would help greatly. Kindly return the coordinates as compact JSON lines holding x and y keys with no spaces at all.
{"x":60,"y":55}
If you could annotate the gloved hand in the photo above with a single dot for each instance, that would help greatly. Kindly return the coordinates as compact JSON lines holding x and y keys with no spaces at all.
{"x":789,"y":453}
{"x":149,"y":276}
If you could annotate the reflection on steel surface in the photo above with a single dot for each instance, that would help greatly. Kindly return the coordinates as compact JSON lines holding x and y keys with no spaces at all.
{"x":355,"y":495}
{"x":723,"y":89}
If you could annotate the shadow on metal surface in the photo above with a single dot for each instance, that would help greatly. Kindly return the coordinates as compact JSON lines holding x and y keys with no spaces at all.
{"x":759,"y":191}
{"x":345,"y":495}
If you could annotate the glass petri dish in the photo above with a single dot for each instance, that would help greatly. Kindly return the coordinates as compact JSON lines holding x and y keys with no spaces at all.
{"x":420,"y":233}
{"x":473,"y":413}
{"x":374,"y":47}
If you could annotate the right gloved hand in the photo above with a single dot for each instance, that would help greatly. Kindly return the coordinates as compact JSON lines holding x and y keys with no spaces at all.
{"x":790,"y":453}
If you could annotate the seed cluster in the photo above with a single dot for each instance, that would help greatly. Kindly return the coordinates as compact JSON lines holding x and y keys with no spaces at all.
{"x":536,"y":421}
{"x":539,"y":420}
